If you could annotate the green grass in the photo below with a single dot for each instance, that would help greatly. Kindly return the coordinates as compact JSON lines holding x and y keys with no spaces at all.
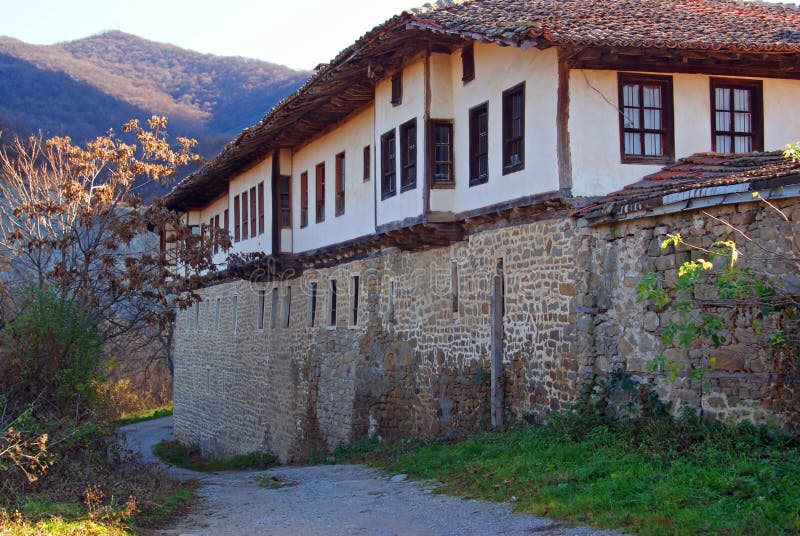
{"x":190,"y":458}
{"x":144,"y":415}
{"x":667,"y":477}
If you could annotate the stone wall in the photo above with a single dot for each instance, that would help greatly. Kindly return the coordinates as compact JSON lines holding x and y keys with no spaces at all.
{"x":743,"y":381}
{"x":416,"y":362}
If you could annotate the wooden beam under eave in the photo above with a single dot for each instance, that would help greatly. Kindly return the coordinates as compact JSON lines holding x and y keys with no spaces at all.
{"x":563,"y":150}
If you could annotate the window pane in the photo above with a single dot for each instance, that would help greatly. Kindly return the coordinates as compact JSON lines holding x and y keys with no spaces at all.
{"x":741,"y":122}
{"x":723,"y":144}
{"x":723,"y":120}
{"x":652,"y":145}
{"x":632,"y":143}
{"x":722,"y":97}
{"x":743,"y":144}
{"x":630,"y":95}
{"x":631,"y":116}
{"x":652,"y":96}
{"x":741,"y":100}
{"x":652,"y":119}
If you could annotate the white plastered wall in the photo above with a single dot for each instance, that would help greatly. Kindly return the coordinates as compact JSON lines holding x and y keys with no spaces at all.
{"x":594,"y":126}
{"x":358,"y":219}
{"x":406,"y":204}
{"x":216,"y":208}
{"x":261,"y":172}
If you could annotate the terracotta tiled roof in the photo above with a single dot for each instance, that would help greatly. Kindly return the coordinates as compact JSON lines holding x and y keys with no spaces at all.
{"x":687,"y":24}
{"x":701,"y":172}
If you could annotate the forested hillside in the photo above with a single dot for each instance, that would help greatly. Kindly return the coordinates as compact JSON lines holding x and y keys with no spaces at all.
{"x":82,"y":88}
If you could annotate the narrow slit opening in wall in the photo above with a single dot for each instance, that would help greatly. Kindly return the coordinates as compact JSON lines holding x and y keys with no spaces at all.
{"x":273,"y":317}
{"x":334,"y":299}
{"x":287,"y":307}
{"x":262,"y":305}
{"x":354,"y":291}
{"x":197,"y":316}
{"x":234,"y":313}
{"x":454,"y":285}
{"x":312,"y":306}
{"x":391,"y":302}
{"x":216,"y":314}
{"x":501,"y":273}
{"x":188,"y":319}
{"x":207,"y":320}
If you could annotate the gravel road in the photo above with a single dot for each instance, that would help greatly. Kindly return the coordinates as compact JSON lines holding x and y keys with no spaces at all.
{"x":332,"y":500}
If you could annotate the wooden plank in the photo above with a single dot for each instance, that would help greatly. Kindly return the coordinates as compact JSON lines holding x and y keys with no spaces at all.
{"x":496,"y":395}
{"x":562,"y":122}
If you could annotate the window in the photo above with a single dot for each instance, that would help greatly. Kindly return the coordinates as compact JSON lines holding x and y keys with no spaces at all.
{"x":646,"y":118}
{"x":215,"y":235}
{"x":441,"y":153}
{"x":467,"y":64}
{"x":388,"y":156}
{"x":514,"y":129}
{"x":339,"y":209}
{"x":397,"y":89}
{"x":287,"y":307}
{"x":188,"y":319}
{"x":391,"y":302}
{"x":354,"y":290}
{"x":197,"y":316}
{"x":253,"y":214}
{"x":479,"y":144}
{"x":285,"y":202}
{"x":334,"y":299}
{"x":236,"y":220}
{"x":273,"y":317}
{"x":320,"y":199}
{"x":226,"y":219}
{"x":262,"y":304}
{"x":235,"y":314}
{"x":244,"y":216}
{"x":216,"y":315}
{"x":367,"y":163}
{"x":454,"y":285}
{"x":261,"y":208}
{"x":737,"y":123}
{"x":408,"y":155}
{"x":312,"y":305}
{"x":304,"y":199}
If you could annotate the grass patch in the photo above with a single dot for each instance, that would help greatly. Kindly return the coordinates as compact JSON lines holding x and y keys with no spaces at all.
{"x":190,"y":458}
{"x":665,"y":476}
{"x":144,"y":415}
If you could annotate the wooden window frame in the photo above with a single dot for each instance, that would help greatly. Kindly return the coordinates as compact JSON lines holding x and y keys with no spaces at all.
{"x":667,"y":128}
{"x":253,"y":213}
{"x":285,"y":202}
{"x":333,"y":303}
{"x":226,"y":222}
{"x":397,"y":89}
{"x":304,"y":199}
{"x":319,"y":198}
{"x":339,"y":201}
{"x":313,"y":296}
{"x":468,"y":64}
{"x":245,"y":217}
{"x":388,"y":165}
{"x":408,"y":155}
{"x":475,"y":155}
{"x":367,"y":163}
{"x":355,"y":289}
{"x":261,"y":309}
{"x":756,"y":88}
{"x":261,"y":207}
{"x":215,"y":234}
{"x":287,"y":306}
{"x":509,"y":139}
{"x":273,"y":317}
{"x":435,"y":182}
{"x":237,"y":224}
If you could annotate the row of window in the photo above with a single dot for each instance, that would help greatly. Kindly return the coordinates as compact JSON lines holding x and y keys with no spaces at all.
{"x":248,"y":213}
{"x":646,"y":117}
{"x":193,"y":317}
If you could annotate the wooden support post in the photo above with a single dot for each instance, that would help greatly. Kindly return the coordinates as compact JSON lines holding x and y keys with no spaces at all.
{"x":496,"y":396}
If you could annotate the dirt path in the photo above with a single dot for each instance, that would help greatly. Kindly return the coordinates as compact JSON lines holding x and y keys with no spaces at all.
{"x":333,"y":500}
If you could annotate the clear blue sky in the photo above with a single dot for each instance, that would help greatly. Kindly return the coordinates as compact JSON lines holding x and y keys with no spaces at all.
{"x":297,"y":33}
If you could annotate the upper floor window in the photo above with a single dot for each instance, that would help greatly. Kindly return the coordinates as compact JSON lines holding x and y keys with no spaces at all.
{"x":467,"y":64}
{"x":226,"y":223}
{"x":237,"y":223}
{"x":304,"y":199}
{"x":339,"y":184}
{"x":397,"y":88}
{"x":261,"y":207}
{"x":320,"y":197}
{"x":408,"y":155}
{"x":737,"y":124}
{"x":367,"y":163}
{"x":514,"y":129}
{"x":441,"y":151}
{"x":479,"y":144}
{"x":245,"y":219}
{"x":215,"y":233}
{"x":253,"y":213}
{"x":285,"y":202}
{"x":646,"y":127}
{"x":388,"y":158}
